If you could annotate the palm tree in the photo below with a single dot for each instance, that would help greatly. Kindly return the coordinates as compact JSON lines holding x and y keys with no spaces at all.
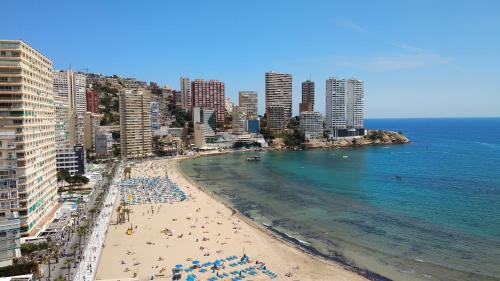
{"x":82,"y":231}
{"x":74,"y":248}
{"x":69,"y":263}
{"x":118,"y":214}
{"x":74,"y":216}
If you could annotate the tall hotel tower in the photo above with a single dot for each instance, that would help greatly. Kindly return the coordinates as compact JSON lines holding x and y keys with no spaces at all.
{"x":344,"y":107}
{"x":27,"y":113}
{"x":278,"y":100}
{"x":307,"y":103}
{"x":185,"y":93}
{"x":135,"y":124}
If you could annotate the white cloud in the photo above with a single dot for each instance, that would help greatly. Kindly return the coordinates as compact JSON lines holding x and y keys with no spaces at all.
{"x":406,"y":61}
{"x":349,"y":25}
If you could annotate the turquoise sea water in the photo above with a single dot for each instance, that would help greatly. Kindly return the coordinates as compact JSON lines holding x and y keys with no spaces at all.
{"x":429,"y":210}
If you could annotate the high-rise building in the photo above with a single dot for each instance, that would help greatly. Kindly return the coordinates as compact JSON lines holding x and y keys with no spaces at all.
{"x":275,"y":117}
{"x":185,"y":100}
{"x":239,"y":120}
{"x":92,"y":98}
{"x":71,"y":86}
{"x":209,"y":94}
{"x":27,"y":94}
{"x":307,"y":103}
{"x":9,"y":216}
{"x":344,"y":107}
{"x":247,"y":100}
{"x":311,"y":124}
{"x":65,"y":122}
{"x":279,"y":94}
{"x":135,"y":124}
{"x":91,"y":126}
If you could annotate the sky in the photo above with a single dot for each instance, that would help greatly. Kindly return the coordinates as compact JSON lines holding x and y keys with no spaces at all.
{"x":419,"y":58}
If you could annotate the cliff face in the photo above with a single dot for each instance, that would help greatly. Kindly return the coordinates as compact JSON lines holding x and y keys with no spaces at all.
{"x":372,"y":138}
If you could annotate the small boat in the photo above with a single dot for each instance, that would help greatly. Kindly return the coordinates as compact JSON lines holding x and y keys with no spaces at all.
{"x":345,"y":156}
{"x":254,"y":158}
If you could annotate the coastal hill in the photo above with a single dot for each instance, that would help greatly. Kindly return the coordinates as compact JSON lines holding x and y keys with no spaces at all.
{"x":373,"y":137}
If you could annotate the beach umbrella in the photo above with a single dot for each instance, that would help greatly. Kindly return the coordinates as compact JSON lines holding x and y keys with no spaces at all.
{"x":178,"y":266}
{"x":217,"y":263}
{"x":196,"y":262}
{"x":190,"y":278}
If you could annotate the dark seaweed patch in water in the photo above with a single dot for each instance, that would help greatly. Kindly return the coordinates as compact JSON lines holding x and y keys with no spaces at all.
{"x":334,"y":256}
{"x":363,"y":226}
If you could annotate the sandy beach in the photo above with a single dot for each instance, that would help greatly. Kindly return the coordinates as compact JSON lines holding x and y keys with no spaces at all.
{"x":202,"y":229}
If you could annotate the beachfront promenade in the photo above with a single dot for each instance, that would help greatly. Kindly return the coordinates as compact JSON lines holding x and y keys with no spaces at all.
{"x":88,"y":265}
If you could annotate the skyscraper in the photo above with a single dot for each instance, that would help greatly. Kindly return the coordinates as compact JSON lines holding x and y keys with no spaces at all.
{"x":28,"y":113}
{"x":307,"y":103}
{"x":344,"y":106}
{"x":135,"y":124}
{"x":249,"y":103}
{"x":71,"y":86}
{"x":209,"y":94}
{"x":185,"y":94}
{"x":239,"y":120}
{"x":278,"y":94}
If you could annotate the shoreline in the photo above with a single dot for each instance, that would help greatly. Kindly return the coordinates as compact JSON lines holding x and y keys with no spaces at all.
{"x":202,"y":229}
{"x":282,"y":237}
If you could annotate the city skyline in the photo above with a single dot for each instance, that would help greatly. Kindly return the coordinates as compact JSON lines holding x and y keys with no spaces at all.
{"x":409,"y":68}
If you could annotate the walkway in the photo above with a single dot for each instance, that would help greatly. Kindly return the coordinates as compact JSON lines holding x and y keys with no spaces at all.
{"x":87,"y":267}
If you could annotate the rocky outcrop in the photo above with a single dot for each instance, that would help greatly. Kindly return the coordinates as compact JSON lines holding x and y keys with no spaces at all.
{"x":373,"y":137}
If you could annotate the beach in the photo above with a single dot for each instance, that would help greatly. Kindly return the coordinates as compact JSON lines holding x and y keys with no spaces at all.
{"x":199,"y":229}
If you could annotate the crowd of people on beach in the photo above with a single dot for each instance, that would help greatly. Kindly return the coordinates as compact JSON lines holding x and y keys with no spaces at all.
{"x":144,"y":190}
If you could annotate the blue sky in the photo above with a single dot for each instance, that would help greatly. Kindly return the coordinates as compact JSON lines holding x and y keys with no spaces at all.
{"x":418,"y":58}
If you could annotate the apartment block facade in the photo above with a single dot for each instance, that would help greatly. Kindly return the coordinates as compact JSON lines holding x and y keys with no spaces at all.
{"x":307,"y":102}
{"x":344,"y":106}
{"x":278,"y":94}
{"x":27,"y":111}
{"x":92,"y":100}
{"x":71,"y":86}
{"x":135,"y":124}
{"x":248,"y":101}
{"x":311,"y":124}
{"x":185,"y":98}
{"x":209,"y":94}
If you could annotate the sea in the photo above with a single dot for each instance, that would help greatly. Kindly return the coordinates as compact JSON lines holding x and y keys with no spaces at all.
{"x":427,"y":210}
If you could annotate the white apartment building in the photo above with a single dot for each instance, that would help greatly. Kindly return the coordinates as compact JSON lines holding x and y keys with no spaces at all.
{"x":135,"y":124}
{"x":27,"y":110}
{"x":70,"y":86}
{"x":344,"y":105}
{"x":311,"y":124}
{"x":279,"y":93}
{"x":249,"y":102}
